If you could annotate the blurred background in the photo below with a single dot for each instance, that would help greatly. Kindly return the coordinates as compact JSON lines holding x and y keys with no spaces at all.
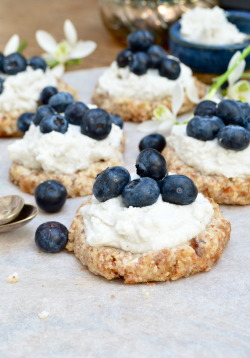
{"x":24,"y":17}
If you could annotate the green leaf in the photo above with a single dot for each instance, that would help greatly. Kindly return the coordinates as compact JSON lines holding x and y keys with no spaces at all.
{"x":22,"y":45}
{"x":52,"y":63}
{"x":76,"y":61}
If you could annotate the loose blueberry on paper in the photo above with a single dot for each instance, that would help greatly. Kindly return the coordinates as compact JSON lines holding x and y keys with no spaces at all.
{"x":110,"y":183}
{"x":50,"y":195}
{"x":51,"y":236}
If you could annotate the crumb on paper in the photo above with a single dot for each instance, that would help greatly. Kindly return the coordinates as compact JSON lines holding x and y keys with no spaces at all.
{"x":112,"y":297}
{"x":83,"y":268}
{"x":43,"y":315}
{"x":151,"y":283}
{"x":145,"y":293}
{"x":13,"y":278}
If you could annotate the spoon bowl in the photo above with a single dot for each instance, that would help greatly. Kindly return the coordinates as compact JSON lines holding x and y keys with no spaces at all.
{"x":10,"y":207}
{"x":27,"y":213}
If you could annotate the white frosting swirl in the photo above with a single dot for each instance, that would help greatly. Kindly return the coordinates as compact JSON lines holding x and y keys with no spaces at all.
{"x":210,"y":27}
{"x":122,"y":83}
{"x":155,"y":227}
{"x":64,"y":153}
{"x":21,"y":91}
{"x":208,"y":157}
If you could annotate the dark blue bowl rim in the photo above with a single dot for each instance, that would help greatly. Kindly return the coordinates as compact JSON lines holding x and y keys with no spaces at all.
{"x":177,"y":38}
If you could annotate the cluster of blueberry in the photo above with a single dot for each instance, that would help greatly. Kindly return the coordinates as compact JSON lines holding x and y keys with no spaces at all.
{"x":58,"y":110}
{"x":142,"y":54}
{"x":229,"y":122}
{"x":154,"y":180}
{"x":15,"y":63}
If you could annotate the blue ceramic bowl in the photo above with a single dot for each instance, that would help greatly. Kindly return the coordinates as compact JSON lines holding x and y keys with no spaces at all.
{"x":206,"y":58}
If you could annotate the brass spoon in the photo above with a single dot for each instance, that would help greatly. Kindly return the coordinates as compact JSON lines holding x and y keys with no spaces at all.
{"x":10,"y":207}
{"x":27,"y":213}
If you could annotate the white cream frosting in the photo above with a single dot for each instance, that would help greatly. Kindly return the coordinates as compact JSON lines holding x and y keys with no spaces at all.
{"x":208,"y":157}
{"x":122,"y":83}
{"x":21,"y":91}
{"x":210,"y":27}
{"x":155,"y":227}
{"x":64,"y":153}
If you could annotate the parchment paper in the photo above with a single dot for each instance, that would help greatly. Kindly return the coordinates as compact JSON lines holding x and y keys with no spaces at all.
{"x":206,"y":315}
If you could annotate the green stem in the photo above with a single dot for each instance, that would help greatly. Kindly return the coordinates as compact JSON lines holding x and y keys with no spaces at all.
{"x":223,"y":78}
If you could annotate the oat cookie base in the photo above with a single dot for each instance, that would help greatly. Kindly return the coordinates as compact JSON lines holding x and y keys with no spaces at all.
{"x":139,"y":111}
{"x":199,"y":254}
{"x":8,"y":120}
{"x":230,"y":191}
{"x":77,"y":184}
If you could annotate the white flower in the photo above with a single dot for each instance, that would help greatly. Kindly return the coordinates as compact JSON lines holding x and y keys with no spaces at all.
{"x":12,"y":45}
{"x":240,"y":91}
{"x":164,"y":118}
{"x":60,"y":54}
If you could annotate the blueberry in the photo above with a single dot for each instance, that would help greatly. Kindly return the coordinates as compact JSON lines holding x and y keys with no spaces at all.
{"x":1,"y":61}
{"x":206,"y":108}
{"x":37,"y":62}
{"x":14,"y":63}
{"x":117,"y":120}
{"x":55,"y":123}
{"x":156,"y":53}
{"x":51,"y":236}
{"x":124,"y":58}
{"x":110,"y":183}
{"x":50,"y":196}
{"x":24,"y":121}
{"x":234,"y":137}
{"x":169,"y":68}
{"x":96,"y":124}
{"x":140,"y":192}
{"x":245,"y":110}
{"x":231,"y":112}
{"x":204,"y":128}
{"x":61,"y":101}
{"x":155,"y":141}
{"x":140,"y":40}
{"x":150,"y":163}
{"x":46,"y":93}
{"x":178,"y":189}
{"x":139,"y":64}
{"x":75,"y":112}
{"x":1,"y":85}
{"x":41,"y":112}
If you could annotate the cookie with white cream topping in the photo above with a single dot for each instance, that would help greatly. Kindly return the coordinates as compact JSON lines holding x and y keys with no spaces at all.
{"x":144,"y":232}
{"x":142,"y":78}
